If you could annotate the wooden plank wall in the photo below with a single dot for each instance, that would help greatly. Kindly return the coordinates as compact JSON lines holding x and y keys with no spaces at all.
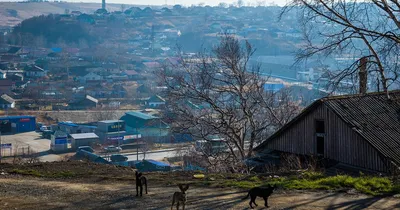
{"x":341,"y":142}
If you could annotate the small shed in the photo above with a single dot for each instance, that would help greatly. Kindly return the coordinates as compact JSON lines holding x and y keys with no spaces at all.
{"x":59,"y":141}
{"x":83,"y":139}
{"x":152,"y":165}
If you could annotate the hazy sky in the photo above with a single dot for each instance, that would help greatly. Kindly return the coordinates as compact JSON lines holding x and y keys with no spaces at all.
{"x":183,"y":2}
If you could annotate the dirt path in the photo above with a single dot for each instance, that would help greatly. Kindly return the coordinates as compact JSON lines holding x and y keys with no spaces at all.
{"x":37,"y":193}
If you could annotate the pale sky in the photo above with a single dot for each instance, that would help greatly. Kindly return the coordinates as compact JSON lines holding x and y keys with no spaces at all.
{"x":184,"y":2}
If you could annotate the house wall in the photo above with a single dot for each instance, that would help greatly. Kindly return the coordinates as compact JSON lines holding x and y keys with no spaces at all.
{"x":7,"y":106}
{"x":156,"y":104}
{"x":83,"y":142}
{"x":341,"y":142}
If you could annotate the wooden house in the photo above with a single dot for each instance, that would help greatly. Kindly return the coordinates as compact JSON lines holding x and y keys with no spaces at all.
{"x":88,"y":102}
{"x":360,"y":131}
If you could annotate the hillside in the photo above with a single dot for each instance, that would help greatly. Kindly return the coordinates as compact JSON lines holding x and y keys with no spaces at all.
{"x":81,"y":185}
{"x":12,"y":13}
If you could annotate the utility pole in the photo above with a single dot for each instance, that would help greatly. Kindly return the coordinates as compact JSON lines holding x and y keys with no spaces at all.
{"x":137,"y":150}
{"x":1,"y":148}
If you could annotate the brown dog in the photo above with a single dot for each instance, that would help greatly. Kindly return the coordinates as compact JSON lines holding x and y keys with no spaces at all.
{"x":180,"y":197}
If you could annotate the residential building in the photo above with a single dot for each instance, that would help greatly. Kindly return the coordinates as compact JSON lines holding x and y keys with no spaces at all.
{"x":156,"y":101}
{"x":360,"y":131}
{"x":131,"y":74}
{"x":6,"y":102}
{"x":87,"y":102}
{"x":90,"y":77}
{"x":6,"y":86}
{"x":3,"y":74}
{"x":35,"y":71}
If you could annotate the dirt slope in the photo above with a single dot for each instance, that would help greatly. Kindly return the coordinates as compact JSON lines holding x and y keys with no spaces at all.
{"x":38,"y":193}
{"x":85,"y":185}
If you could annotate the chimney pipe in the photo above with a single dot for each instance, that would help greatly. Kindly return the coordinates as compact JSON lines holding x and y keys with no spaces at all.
{"x":363,"y":75}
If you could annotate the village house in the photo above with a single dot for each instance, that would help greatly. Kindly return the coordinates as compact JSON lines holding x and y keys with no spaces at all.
{"x":155,"y":101}
{"x":6,"y":102}
{"x":87,"y":102}
{"x":90,"y":77}
{"x":151,"y":66}
{"x":3,"y":74}
{"x":35,"y":72}
{"x":131,"y":74}
{"x":354,"y":131}
{"x":6,"y":86}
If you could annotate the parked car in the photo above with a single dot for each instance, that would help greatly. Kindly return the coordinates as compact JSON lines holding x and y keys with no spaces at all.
{"x":113,"y":149}
{"x":118,"y":158}
{"x":86,"y":148}
{"x":45,"y":128}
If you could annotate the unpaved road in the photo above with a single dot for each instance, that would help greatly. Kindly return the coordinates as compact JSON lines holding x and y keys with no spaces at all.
{"x":18,"y":192}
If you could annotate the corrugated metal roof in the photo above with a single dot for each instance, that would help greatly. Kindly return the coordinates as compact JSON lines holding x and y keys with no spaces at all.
{"x":6,"y":98}
{"x":84,"y":136}
{"x":15,"y":117}
{"x":373,"y":116}
{"x":111,"y":121}
{"x":158,"y":163}
{"x":141,"y":115}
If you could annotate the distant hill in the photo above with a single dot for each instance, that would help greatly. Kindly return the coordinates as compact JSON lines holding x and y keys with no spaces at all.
{"x":12,"y":13}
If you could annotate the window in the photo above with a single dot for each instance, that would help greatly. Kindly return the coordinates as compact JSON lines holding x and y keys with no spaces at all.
{"x":320,"y":145}
{"x":319,"y":126}
{"x":320,"y":136}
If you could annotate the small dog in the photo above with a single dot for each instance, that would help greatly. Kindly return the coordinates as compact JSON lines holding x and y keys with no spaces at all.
{"x":180,"y":197}
{"x":260,"y":192}
{"x":140,"y":181}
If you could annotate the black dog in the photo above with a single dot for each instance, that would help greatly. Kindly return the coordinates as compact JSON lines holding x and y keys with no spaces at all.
{"x":260,"y":192}
{"x":140,"y":181}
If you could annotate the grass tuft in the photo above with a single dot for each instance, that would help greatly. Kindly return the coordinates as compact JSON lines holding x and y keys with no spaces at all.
{"x":314,"y":180}
{"x":26,"y":172}
{"x":31,"y":172}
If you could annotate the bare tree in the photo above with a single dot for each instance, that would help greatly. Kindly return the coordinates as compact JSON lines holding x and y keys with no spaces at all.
{"x":354,"y":30}
{"x":222,"y":95}
{"x":147,"y":146}
{"x":104,"y":113}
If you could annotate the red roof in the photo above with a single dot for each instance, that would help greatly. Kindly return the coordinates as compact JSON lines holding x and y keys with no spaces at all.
{"x":130,"y":72}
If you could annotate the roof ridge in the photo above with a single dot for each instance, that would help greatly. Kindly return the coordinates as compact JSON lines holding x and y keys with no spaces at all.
{"x":360,"y":95}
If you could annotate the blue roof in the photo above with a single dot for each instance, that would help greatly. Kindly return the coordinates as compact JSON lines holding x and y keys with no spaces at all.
{"x":76,"y":125}
{"x":56,"y":49}
{"x":273,"y":87}
{"x":112,"y":121}
{"x":91,"y":156}
{"x":68,"y":124}
{"x":141,"y":115}
{"x":158,"y":163}
{"x":15,"y":117}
